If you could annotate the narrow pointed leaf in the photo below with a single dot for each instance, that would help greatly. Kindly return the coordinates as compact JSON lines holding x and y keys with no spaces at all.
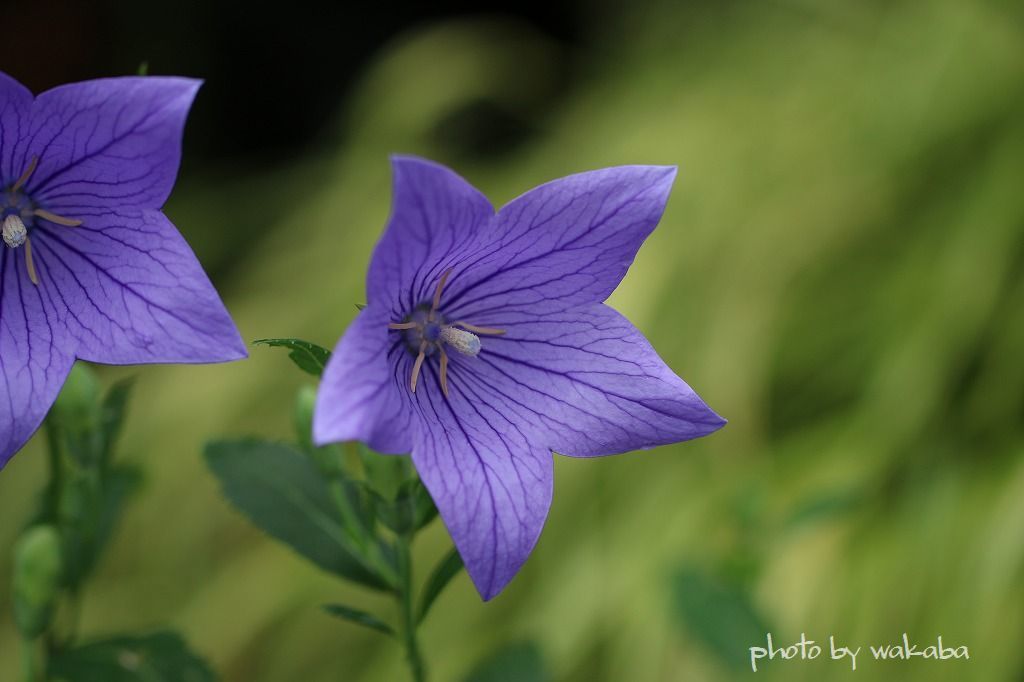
{"x":720,"y":615}
{"x":309,"y":357}
{"x":281,"y":491}
{"x":516,"y":662}
{"x":825,"y":506}
{"x":358,"y":617}
{"x":447,"y":569}
{"x":158,"y":657}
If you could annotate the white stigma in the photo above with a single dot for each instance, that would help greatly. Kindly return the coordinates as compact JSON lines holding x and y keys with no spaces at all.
{"x":461,"y":340}
{"x":14,"y":232}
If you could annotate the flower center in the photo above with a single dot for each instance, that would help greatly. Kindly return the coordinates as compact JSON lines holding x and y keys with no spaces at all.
{"x":19,"y":213}
{"x":427,"y":331}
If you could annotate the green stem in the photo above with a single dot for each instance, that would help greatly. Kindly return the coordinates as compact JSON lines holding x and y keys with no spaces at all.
{"x":368,"y":551}
{"x":75,"y":610}
{"x":28,"y":658}
{"x":56,"y":482}
{"x":407,"y":607}
{"x":350,"y":519}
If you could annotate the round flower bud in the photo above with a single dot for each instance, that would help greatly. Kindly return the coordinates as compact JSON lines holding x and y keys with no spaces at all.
{"x":36,"y":580}
{"x":305,"y":401}
{"x":80,"y":395}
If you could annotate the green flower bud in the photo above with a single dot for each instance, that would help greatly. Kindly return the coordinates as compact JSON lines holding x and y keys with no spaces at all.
{"x":305,"y":403}
{"x":80,"y":395}
{"x":36,"y":580}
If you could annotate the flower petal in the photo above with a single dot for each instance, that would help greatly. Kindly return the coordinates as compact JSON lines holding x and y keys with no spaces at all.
{"x":362,"y":395}
{"x":114,"y":141}
{"x":435,"y":217}
{"x":568,"y":241}
{"x":129,"y":290}
{"x":15,"y":110}
{"x":586,"y":377}
{"x":35,"y":355}
{"x":491,"y":483}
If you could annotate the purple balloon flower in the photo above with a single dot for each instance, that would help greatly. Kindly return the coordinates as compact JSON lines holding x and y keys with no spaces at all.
{"x":485,"y":345}
{"x":89,"y":266}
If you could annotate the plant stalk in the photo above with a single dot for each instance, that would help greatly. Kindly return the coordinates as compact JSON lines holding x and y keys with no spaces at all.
{"x":29,"y":660}
{"x":408,"y":610}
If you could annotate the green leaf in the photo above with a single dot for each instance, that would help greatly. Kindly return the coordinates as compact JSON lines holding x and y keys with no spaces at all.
{"x":281,"y":491}
{"x":447,"y":569}
{"x":517,"y":662}
{"x":363,"y":618}
{"x":719,"y":614}
{"x":825,"y":507}
{"x":308,"y":356}
{"x":360,"y":306}
{"x":158,"y":657}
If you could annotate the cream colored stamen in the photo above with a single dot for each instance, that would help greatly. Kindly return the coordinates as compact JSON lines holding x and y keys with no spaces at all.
{"x":461,"y":340}
{"x":460,"y":336}
{"x":14,"y":232}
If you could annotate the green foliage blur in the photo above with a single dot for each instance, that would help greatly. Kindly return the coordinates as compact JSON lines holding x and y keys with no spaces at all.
{"x":840,"y":273}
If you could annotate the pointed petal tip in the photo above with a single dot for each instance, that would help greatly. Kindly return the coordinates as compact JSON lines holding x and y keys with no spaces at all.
{"x":709,"y":426}
{"x":400,"y":159}
{"x":413,"y":162}
{"x":403,"y":156}
{"x":490,"y":589}
{"x":187,"y":86}
{"x":236,"y":354}
{"x":5,"y":457}
{"x":234,"y":348}
{"x":321,"y":439}
{"x":322,"y":431}
{"x":706,"y":422}
{"x":328,"y":431}
{"x":668,"y":176}
{"x":10,"y":84}
{"x":322,"y":434}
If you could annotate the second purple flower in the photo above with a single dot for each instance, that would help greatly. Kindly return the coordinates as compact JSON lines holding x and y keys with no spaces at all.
{"x":90,"y":267}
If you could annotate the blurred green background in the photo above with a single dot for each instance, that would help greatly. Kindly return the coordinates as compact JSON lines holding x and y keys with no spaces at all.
{"x":840,"y":273}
